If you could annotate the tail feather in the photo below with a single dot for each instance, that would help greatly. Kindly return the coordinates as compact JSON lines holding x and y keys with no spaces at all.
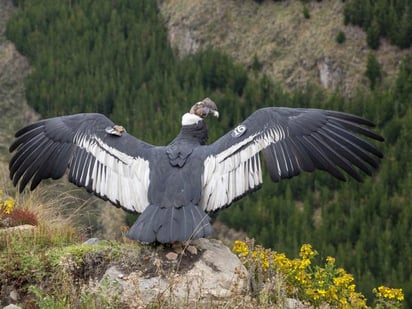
{"x":171,"y":224}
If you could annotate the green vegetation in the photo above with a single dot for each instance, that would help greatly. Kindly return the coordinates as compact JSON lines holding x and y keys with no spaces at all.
{"x":382,"y":18}
{"x":373,"y":35}
{"x":114,"y":58}
{"x":49,"y":267}
{"x":340,"y":37}
{"x":305,"y":11}
{"x":373,"y":70}
{"x":306,"y":280}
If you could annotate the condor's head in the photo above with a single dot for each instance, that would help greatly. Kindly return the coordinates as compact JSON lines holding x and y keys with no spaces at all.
{"x":200,"y":111}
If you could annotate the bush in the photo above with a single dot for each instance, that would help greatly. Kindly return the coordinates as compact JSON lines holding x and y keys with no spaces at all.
{"x":305,"y":12}
{"x":307,"y":281}
{"x":340,"y":37}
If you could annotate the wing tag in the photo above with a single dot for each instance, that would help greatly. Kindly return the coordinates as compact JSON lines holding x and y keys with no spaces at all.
{"x":239,"y":131}
{"x":115,"y":130}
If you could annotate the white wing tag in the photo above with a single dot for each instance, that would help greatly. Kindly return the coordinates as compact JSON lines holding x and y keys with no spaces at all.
{"x":239,"y":131}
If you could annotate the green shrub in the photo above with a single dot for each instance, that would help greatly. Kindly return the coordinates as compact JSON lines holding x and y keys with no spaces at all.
{"x":305,"y":12}
{"x":340,"y":37}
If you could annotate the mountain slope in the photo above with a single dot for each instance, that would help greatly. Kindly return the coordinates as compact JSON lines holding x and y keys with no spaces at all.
{"x":13,"y":70}
{"x":290,"y":48}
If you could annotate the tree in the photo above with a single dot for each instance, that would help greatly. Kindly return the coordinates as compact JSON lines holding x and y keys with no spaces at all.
{"x":373,"y":35}
{"x":405,"y":29}
{"x":381,"y":18}
{"x":340,"y":37}
{"x":256,"y":64}
{"x":404,"y":85}
{"x":373,"y":70}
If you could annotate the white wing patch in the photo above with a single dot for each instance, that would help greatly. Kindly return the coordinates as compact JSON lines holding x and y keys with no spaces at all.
{"x":121,"y":178}
{"x":236,"y":170}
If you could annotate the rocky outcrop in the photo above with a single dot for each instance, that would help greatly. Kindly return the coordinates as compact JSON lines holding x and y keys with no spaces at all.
{"x":331,"y":73}
{"x":128,"y":275}
{"x":184,"y":39}
{"x":205,"y":272}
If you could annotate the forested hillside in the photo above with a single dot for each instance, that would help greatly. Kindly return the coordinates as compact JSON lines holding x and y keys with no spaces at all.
{"x":298,"y":43}
{"x":115,"y":58}
{"x":382,"y":19}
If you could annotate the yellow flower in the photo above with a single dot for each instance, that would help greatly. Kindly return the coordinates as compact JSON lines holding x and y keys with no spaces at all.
{"x":306,"y":251}
{"x":6,"y":205}
{"x":304,"y":264}
{"x":389,"y":293}
{"x":344,"y":280}
{"x":282,"y":262}
{"x":332,"y":293}
{"x":306,"y":280}
{"x":357,"y":300}
{"x":321,"y":292}
{"x":240,"y":248}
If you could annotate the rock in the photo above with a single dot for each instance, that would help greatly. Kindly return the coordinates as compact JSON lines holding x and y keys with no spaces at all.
{"x":14,"y":296}
{"x":295,"y":304}
{"x":113,"y":274}
{"x":184,"y":40}
{"x":16,"y":229}
{"x":219,"y":269}
{"x":330,"y":73}
{"x":171,"y":256}
{"x":92,"y":241}
{"x":11,"y":306}
{"x":213,"y":273}
{"x":192,"y":250}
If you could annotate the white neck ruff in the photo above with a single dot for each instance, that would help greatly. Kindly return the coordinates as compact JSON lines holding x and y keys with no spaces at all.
{"x":190,"y":119}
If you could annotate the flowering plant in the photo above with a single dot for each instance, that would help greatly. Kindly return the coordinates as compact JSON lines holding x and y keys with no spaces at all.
{"x":6,"y":204}
{"x":388,"y":297}
{"x":314,"y":284}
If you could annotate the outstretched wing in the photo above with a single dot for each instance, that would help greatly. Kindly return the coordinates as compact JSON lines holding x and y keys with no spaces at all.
{"x":292,"y":141}
{"x":112,"y":164}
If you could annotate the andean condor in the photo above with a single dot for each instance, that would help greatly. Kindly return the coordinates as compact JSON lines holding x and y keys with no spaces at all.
{"x":175,"y":186}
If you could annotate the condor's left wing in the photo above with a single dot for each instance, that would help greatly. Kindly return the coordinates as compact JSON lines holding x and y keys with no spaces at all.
{"x":291,"y":141}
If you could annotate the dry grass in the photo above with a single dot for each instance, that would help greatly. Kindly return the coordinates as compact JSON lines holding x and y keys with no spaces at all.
{"x":56,"y":205}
